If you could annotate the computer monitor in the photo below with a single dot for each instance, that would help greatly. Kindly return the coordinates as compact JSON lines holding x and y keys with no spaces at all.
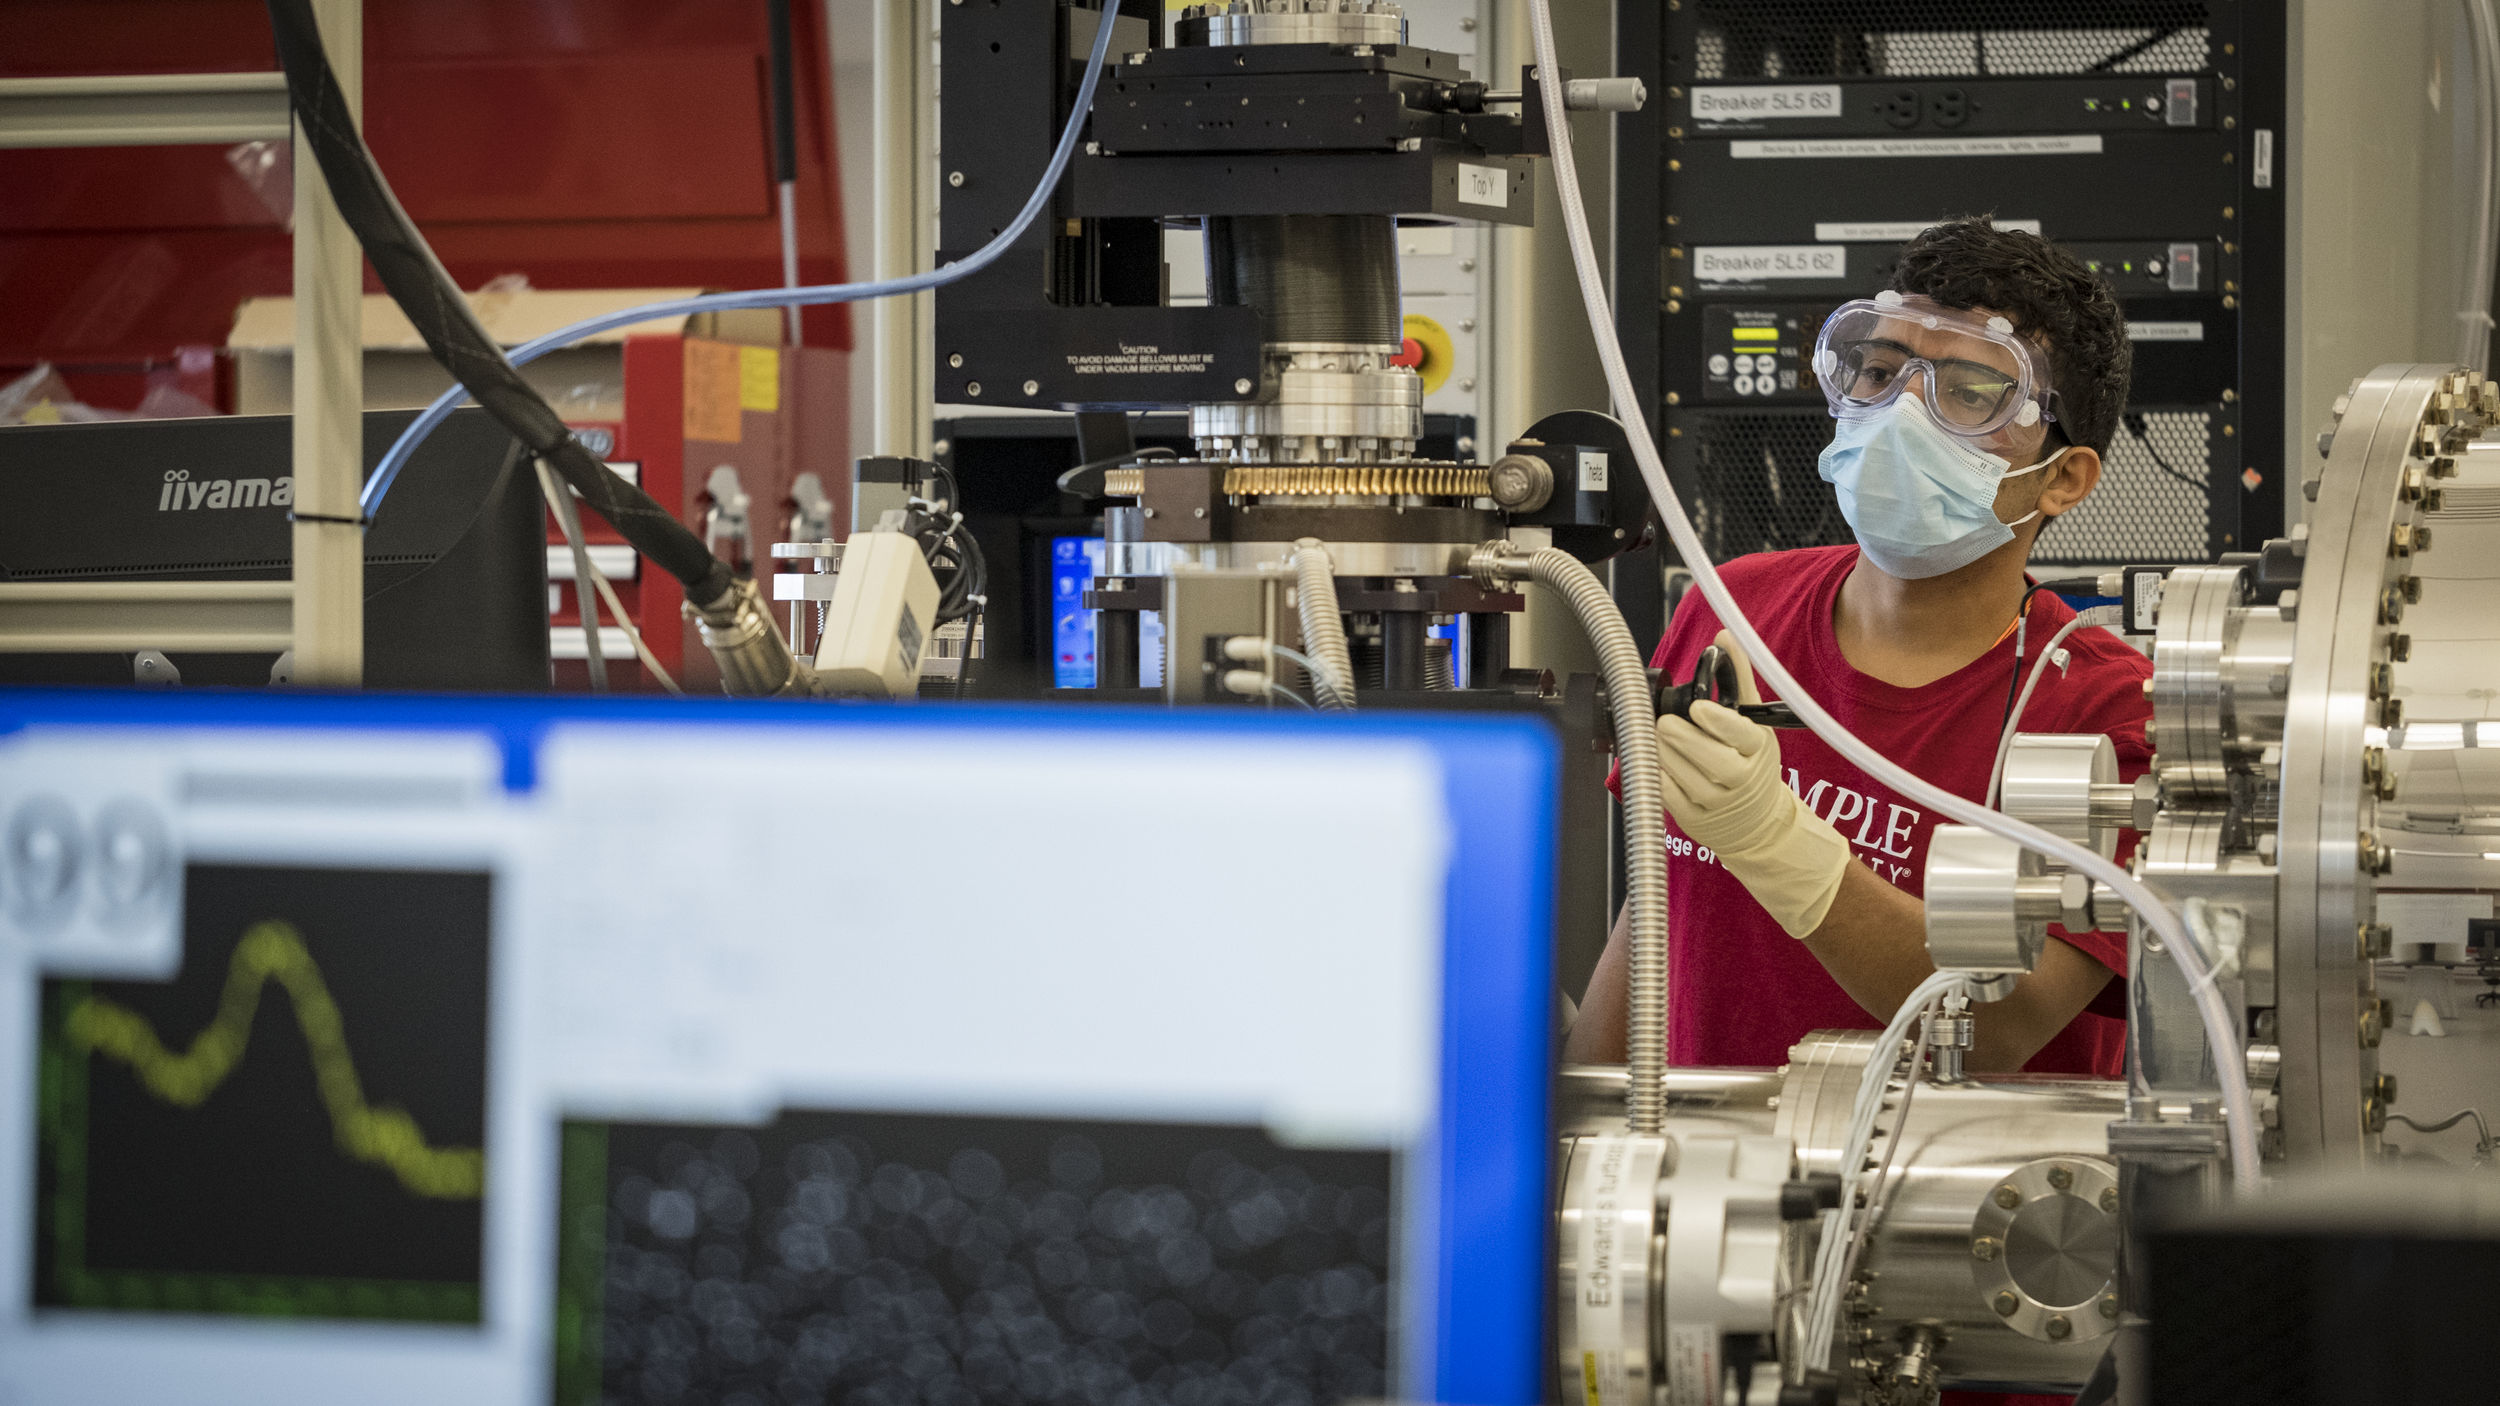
{"x":455,"y":561}
{"x":441,"y":1049}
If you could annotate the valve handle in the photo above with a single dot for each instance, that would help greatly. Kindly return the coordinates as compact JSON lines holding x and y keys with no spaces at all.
{"x":1714,"y":678}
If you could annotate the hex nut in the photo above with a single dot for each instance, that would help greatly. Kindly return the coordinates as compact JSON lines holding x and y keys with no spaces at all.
{"x":2006,"y":1303}
{"x":2109,"y":1305}
{"x":2063,"y":1178}
{"x":2060,"y":1326}
{"x":1984,"y":1248}
{"x":2009,"y":1197}
{"x":2109,"y":1200}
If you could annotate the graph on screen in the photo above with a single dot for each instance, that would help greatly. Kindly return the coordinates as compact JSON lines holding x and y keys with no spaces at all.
{"x":293,"y":1125}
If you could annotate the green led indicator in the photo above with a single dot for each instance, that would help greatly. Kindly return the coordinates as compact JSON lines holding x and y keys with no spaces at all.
{"x":2127,"y":267}
{"x":2126,"y":104}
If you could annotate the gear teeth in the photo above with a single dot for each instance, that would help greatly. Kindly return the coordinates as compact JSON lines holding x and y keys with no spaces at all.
{"x":1358,"y":480}
{"x":1321,"y":480}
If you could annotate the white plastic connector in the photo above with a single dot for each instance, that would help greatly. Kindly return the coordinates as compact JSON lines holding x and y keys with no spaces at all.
{"x":1604,"y":94}
{"x":883,"y":611}
{"x":1248,"y":649}
{"x":1249,"y":683}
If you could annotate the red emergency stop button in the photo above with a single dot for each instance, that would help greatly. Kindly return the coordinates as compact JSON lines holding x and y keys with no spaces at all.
{"x":1410,"y":353}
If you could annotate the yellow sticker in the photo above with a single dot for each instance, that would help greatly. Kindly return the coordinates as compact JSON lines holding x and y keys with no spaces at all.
{"x":759,"y":379}
{"x":712,"y":391}
{"x":1588,"y":1379}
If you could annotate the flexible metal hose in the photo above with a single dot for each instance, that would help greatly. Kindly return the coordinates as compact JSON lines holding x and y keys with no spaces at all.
{"x":1644,"y":824}
{"x":1323,"y":626}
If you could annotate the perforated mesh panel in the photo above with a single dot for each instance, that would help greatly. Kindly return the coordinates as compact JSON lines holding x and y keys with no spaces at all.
{"x":2143,"y":513}
{"x":1744,"y":39}
{"x":1756,"y":489}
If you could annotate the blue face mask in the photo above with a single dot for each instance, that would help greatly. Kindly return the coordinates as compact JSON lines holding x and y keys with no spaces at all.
{"x":1921,"y":501}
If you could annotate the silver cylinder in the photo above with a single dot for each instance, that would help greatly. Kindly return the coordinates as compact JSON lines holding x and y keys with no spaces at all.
{"x":2050,"y":780}
{"x":1999,"y":1223}
{"x":1964,"y":1144}
{"x":1230,"y":22}
{"x":1976,"y":919}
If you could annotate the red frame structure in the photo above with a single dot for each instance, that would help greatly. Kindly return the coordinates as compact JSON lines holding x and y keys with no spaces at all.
{"x":580,"y":143}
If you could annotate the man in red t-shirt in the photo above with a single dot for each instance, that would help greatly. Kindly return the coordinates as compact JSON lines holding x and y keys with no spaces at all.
{"x":1975,"y":400}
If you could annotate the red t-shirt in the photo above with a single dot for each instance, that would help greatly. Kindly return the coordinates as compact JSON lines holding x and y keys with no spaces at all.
{"x":1742,"y":991}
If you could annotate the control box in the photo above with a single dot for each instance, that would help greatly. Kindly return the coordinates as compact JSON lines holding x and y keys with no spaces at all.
{"x":1797,"y":149}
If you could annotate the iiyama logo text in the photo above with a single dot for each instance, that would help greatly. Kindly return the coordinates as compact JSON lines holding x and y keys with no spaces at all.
{"x":181,"y":493}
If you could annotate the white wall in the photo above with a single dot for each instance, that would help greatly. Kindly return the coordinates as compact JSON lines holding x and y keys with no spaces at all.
{"x":2379,"y":136}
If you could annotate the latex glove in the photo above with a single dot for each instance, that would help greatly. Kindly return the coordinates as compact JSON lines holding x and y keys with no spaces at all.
{"x":1726,"y":789}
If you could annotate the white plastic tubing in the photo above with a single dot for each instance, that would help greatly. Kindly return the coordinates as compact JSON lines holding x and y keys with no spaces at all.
{"x":2222,"y":1032}
{"x":396,"y":458}
{"x":1845,"y":1230}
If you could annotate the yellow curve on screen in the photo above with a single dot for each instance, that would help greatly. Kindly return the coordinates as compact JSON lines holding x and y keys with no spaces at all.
{"x":273,"y":951}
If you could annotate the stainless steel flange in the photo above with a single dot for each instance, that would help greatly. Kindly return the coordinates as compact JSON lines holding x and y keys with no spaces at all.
{"x":2396,"y":436}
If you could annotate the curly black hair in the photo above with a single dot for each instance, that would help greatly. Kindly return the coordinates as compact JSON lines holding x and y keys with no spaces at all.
{"x":2050,"y":297}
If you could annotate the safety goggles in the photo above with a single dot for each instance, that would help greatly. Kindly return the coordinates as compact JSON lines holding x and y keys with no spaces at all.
{"x":1974,"y":374}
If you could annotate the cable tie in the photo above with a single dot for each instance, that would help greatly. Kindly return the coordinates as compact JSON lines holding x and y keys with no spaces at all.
{"x":293,"y":516}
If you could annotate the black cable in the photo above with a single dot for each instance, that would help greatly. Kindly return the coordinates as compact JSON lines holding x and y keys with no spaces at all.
{"x":1068,"y":481}
{"x":785,"y":115}
{"x":2014,"y":685}
{"x":416,"y":281}
{"x":2132,"y":50}
{"x":2134,"y":421}
{"x":954,"y":557}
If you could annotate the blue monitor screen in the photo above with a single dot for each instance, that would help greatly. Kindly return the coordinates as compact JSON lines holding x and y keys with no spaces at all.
{"x":1074,"y":563}
{"x":403,"y":1050}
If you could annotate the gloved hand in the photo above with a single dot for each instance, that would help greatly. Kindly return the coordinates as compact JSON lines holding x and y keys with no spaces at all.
{"x":1726,"y":789}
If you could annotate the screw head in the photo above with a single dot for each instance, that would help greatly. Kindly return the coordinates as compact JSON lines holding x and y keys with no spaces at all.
{"x":956,"y":361}
{"x":2008,"y":1196}
{"x":2062,"y":1178}
{"x":2109,"y":1199}
{"x":2109,"y":1305}
{"x":2060,"y":1327}
{"x":1241,"y":386}
{"x":1032,"y":387}
{"x":2006,"y":1303}
{"x":955,"y":178}
{"x":972,"y":388}
{"x":1983,"y":1248}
